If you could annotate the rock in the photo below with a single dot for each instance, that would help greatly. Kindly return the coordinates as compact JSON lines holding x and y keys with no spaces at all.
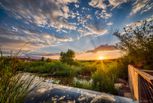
{"x":47,"y":91}
{"x":103,"y":99}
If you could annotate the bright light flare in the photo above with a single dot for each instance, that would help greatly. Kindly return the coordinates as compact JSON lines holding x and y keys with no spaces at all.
{"x":101,"y":58}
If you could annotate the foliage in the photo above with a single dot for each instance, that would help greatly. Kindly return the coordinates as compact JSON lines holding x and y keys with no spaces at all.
{"x":122,"y":65}
{"x":12,"y":88}
{"x":105,"y":77}
{"x":42,"y":58}
{"x":138,"y":43}
{"x":56,"y":68}
{"x":87,"y":68}
{"x":67,"y":57}
{"x":48,"y":60}
{"x":82,"y":83}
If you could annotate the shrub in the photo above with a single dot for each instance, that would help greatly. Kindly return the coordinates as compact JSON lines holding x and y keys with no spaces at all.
{"x":104,"y":78}
{"x":87,"y":68}
{"x":12,"y":88}
{"x":81,"y":83}
{"x":137,"y":42}
{"x":56,"y":68}
{"x":67,"y":57}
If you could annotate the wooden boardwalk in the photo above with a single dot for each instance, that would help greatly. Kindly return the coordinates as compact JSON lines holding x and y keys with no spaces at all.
{"x":141,"y":84}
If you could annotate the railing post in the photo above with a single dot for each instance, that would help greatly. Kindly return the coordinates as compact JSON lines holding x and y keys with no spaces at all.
{"x":133,"y":82}
{"x":139,"y":89}
{"x":141,"y":84}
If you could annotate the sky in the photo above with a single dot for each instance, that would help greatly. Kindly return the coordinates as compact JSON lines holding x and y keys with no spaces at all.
{"x":52,"y":26}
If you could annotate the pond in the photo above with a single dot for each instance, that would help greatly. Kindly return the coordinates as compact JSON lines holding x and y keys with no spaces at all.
{"x":79,"y":81}
{"x":47,"y":92}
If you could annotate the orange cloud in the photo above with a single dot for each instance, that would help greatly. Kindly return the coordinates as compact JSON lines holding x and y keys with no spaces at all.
{"x":112,"y":54}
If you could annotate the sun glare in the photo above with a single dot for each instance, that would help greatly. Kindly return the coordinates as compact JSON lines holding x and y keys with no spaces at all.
{"x":101,"y":58}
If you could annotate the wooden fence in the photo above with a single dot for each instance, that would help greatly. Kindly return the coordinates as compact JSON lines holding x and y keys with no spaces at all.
{"x":141,"y":84}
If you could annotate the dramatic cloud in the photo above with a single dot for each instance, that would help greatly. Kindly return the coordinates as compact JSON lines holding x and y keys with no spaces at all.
{"x":12,"y":36}
{"x":134,"y":24}
{"x":49,"y":13}
{"x":101,"y":4}
{"x":67,"y":1}
{"x":84,"y":19}
{"x":116,"y":3}
{"x":98,"y":4}
{"x":97,"y":31}
{"x":141,"y":5}
{"x":148,"y":7}
{"x":103,"y":14}
{"x":109,"y":23}
{"x":56,"y":25}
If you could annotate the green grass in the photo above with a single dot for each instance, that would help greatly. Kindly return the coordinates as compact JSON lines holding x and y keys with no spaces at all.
{"x":103,"y":79}
{"x":56,"y":68}
{"x":82,"y":83}
{"x":87,"y":68}
{"x":102,"y":74}
{"x":13,"y":88}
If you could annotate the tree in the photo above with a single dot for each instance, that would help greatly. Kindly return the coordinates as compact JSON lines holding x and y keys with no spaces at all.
{"x":48,"y":60}
{"x":42,"y":58}
{"x":138,"y":43}
{"x":67,"y":57}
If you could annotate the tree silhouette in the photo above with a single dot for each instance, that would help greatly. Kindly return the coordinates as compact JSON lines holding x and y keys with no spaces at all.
{"x":138,"y":43}
{"x":67,"y":57}
{"x":42,"y":59}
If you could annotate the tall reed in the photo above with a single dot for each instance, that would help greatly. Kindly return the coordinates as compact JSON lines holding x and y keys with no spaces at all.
{"x":13,"y":86}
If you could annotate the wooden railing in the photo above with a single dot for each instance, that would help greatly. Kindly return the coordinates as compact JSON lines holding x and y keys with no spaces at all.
{"x":141,"y":84}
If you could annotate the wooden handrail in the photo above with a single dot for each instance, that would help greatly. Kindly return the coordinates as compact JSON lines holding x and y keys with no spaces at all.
{"x":141,"y":84}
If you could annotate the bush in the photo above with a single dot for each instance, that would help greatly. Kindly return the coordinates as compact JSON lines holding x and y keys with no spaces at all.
{"x":122,"y":66}
{"x":56,"y":68}
{"x":105,"y":77}
{"x":137,"y":42}
{"x":67,"y":57}
{"x":81,"y":83}
{"x":12,"y":88}
{"x":87,"y":68}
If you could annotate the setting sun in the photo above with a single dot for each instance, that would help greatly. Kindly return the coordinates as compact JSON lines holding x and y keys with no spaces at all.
{"x":101,"y":57}
{"x":84,"y":51}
